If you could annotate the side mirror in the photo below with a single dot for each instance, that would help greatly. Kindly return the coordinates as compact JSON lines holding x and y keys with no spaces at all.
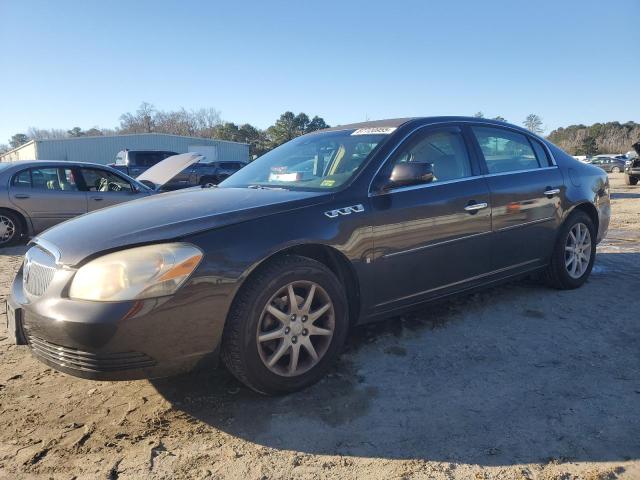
{"x":410,"y":173}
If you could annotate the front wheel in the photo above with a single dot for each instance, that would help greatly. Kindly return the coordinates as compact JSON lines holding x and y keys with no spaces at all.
{"x":574,"y":252}
{"x":286,"y":326}
{"x":615,"y":170}
{"x":629,"y":180}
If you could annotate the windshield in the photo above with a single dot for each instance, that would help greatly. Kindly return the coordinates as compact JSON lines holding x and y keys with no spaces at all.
{"x":322,"y":161}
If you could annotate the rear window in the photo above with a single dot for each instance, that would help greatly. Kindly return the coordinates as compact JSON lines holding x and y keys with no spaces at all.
{"x":231,"y":165}
{"x":149,"y":159}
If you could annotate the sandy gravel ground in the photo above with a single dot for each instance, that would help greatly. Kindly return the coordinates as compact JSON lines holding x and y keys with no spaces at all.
{"x":516,"y":382}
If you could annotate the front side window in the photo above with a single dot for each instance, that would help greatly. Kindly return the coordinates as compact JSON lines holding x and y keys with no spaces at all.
{"x":504,"y":150}
{"x":316,"y":162}
{"x":51,"y":178}
{"x":97,"y":180}
{"x":445,"y":150}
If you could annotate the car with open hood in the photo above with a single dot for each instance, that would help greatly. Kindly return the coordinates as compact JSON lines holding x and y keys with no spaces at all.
{"x":36,"y":195}
{"x":269,"y":270}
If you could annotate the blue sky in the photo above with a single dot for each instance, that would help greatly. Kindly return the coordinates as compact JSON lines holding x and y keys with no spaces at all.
{"x":83,"y":63}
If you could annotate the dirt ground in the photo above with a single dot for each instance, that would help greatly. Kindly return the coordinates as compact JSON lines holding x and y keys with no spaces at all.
{"x":516,"y":382}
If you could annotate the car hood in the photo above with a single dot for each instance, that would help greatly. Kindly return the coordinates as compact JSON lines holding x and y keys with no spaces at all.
{"x":167,"y":216}
{"x":168,"y":168}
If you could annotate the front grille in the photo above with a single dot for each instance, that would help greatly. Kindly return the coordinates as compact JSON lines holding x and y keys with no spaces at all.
{"x":38,"y":271}
{"x":91,"y":362}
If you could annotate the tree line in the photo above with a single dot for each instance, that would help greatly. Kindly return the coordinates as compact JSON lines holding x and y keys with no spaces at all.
{"x":611,"y":137}
{"x":204,"y":122}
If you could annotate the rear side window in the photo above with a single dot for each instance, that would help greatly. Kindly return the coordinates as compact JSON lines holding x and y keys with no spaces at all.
{"x":505,"y":151}
{"x":51,"y":178}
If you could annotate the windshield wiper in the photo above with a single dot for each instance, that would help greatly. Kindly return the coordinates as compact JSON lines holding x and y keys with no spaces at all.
{"x":264,"y":187}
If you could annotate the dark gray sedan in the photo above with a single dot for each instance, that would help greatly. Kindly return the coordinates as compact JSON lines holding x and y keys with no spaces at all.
{"x":36,"y":195}
{"x":270,"y":269}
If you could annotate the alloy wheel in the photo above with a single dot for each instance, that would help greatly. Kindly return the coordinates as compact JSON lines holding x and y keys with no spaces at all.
{"x":295,"y":328}
{"x":577,"y":250}
{"x":7,"y":229}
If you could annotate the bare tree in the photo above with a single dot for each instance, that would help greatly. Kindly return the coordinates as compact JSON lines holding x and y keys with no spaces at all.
{"x":142,"y":121}
{"x":46,"y":133}
{"x":533,"y":123}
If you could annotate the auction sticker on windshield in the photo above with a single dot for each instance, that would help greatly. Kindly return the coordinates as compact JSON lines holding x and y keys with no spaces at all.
{"x":374,"y":131}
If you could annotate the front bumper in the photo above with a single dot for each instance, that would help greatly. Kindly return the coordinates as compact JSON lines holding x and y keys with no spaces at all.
{"x":120,"y":340}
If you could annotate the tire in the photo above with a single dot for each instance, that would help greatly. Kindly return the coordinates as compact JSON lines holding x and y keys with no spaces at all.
{"x":615,"y":170}
{"x":558,"y":273}
{"x":629,"y":180}
{"x":11,"y":229}
{"x":247,"y":357}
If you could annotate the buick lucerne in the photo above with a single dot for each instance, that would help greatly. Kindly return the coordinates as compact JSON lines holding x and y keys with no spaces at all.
{"x":270,"y":269}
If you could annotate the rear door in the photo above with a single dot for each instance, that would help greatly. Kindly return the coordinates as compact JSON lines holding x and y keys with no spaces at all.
{"x":526,"y":191}
{"x":105,"y":188}
{"x":433,"y":237}
{"x":48,"y":195}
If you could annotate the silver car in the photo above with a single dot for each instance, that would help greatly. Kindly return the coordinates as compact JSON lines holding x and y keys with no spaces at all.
{"x":35,"y":195}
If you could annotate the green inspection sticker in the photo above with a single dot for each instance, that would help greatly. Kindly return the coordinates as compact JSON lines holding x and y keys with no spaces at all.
{"x":327,"y":183}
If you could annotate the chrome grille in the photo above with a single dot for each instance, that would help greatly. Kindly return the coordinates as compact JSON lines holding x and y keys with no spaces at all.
{"x":37,"y":271}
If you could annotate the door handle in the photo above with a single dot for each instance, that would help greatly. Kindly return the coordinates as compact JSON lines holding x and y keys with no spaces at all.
{"x":551,"y":191}
{"x":474,"y":207}
{"x":21,"y":195}
{"x":97,"y":199}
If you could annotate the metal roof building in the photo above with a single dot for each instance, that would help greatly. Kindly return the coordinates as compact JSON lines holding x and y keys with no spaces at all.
{"x":103,"y":149}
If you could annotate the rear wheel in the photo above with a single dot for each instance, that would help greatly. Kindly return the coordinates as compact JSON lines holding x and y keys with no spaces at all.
{"x":286,"y":326}
{"x":10,"y":229}
{"x":574,"y":252}
{"x":615,"y":170}
{"x":629,"y":180}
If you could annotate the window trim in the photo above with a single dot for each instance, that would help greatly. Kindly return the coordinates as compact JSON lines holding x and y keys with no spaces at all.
{"x":472,"y":150}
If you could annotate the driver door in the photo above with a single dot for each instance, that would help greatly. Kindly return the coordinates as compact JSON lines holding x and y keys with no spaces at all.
{"x":105,"y":188}
{"x":431,"y":238}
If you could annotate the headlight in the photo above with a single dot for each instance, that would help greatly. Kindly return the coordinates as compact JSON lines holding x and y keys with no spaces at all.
{"x":141,"y":272}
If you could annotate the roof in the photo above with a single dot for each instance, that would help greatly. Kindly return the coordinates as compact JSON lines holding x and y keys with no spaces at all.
{"x":398,"y":122}
{"x":36,"y":163}
{"x":391,"y":122}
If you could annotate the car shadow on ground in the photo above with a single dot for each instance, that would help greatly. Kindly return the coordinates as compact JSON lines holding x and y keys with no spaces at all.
{"x":514,"y":374}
